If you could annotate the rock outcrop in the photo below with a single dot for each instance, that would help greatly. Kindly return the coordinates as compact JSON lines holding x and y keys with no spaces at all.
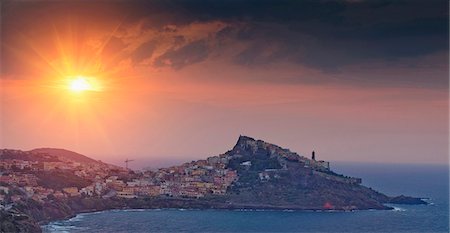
{"x":271,"y":176}
{"x":15,"y":221}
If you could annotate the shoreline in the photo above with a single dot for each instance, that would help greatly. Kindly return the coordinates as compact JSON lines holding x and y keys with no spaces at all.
{"x":168,"y":203}
{"x":46,"y":223}
{"x":66,"y":209}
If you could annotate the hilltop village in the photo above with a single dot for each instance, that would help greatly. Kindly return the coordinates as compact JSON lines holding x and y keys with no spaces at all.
{"x":55,"y":178}
{"x":48,"y":184}
{"x":42,"y":176}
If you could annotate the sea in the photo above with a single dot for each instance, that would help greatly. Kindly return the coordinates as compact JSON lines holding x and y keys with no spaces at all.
{"x":426,"y":181}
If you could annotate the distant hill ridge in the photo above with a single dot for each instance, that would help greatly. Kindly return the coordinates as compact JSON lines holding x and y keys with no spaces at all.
{"x":67,"y":154}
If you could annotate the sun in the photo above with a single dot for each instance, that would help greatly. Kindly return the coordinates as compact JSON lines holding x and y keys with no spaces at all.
{"x":80,"y":84}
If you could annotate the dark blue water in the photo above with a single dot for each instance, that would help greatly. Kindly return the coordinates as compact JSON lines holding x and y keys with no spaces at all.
{"x":416,"y":180}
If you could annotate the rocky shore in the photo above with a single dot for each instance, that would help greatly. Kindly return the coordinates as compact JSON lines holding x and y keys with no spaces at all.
{"x":15,"y":221}
{"x":27,"y":216}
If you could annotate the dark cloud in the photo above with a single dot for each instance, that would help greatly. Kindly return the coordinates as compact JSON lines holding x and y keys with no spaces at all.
{"x":323,"y":34}
{"x":339,"y":38}
{"x":191,"y":53}
{"x":326,"y":35}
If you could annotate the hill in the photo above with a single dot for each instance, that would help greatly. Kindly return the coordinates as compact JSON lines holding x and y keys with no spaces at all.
{"x":65,"y":154}
{"x":271,"y":176}
{"x":49,"y":184}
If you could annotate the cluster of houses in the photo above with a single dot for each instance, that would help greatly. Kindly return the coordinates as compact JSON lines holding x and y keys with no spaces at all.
{"x":18,"y":180}
{"x":195,"y":179}
{"x":11,"y":193}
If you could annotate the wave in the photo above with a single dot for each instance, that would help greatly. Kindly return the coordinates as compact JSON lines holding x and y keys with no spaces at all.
{"x":60,"y":227}
{"x":134,"y":210}
{"x":77,"y":218}
{"x":398,"y":209}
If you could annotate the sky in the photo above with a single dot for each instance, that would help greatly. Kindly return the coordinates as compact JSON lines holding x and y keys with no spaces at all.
{"x":173,"y":81}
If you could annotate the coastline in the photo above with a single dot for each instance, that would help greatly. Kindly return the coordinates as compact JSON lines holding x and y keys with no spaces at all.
{"x":34,"y":214}
{"x":280,"y":180}
{"x":81,"y":213}
{"x":79,"y":206}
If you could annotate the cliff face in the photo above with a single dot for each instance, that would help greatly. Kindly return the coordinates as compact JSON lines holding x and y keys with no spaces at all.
{"x":272,"y":176}
{"x":13,"y":221}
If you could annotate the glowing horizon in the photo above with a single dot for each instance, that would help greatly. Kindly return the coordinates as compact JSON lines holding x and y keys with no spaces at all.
{"x":145,"y":79}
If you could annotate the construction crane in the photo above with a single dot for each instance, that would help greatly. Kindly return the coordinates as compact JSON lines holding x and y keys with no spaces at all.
{"x":127,"y":161}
